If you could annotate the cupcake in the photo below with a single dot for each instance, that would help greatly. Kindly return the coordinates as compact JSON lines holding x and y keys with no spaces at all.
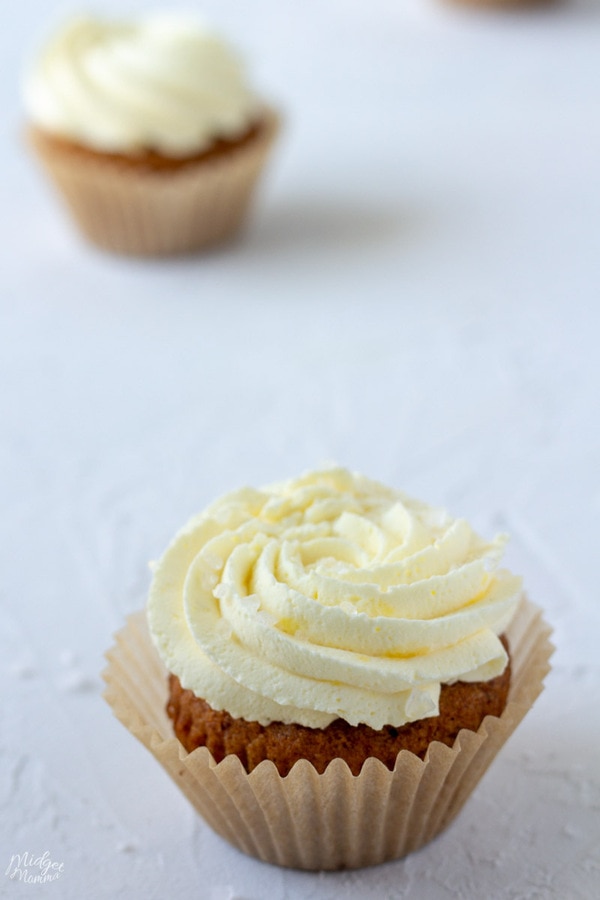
{"x":505,"y":4}
{"x":149,"y":131}
{"x":327,"y":667}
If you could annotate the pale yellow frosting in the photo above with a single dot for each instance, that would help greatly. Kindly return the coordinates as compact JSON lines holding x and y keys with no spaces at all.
{"x":326,"y":596}
{"x":163,"y":83}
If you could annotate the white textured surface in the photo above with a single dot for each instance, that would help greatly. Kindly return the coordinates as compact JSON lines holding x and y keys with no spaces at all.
{"x":418,"y":299}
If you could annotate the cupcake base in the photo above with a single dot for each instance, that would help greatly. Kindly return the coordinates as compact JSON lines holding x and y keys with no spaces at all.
{"x":336,"y":819}
{"x":149,"y":205}
{"x":462,"y":705}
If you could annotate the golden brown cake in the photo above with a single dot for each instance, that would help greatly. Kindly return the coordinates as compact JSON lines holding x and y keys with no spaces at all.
{"x":149,"y":160}
{"x":462,"y":705}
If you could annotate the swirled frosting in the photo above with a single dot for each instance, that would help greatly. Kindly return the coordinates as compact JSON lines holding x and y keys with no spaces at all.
{"x":163,"y":83}
{"x":329,"y":596}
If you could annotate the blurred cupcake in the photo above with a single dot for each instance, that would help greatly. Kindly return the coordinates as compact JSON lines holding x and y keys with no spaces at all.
{"x":339,"y":665}
{"x":149,"y":131}
{"x":505,"y":4}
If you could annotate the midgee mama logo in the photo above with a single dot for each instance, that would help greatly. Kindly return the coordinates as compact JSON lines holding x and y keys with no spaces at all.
{"x":33,"y":869}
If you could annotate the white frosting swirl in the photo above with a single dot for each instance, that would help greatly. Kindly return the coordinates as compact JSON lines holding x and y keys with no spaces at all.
{"x":329,"y":596}
{"x":163,"y":83}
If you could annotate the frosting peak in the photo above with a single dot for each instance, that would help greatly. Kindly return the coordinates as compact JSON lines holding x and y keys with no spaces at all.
{"x":328,"y":596}
{"x":164,"y":83}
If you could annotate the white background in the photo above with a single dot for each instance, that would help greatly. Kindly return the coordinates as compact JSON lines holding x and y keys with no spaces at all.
{"x":418,"y":298}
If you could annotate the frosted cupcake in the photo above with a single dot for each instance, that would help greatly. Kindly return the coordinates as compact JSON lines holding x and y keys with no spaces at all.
{"x":339,"y":662}
{"x":150,"y":132}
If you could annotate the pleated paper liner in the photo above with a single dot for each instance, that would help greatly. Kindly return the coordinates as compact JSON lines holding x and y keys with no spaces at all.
{"x":334,"y":820}
{"x":144,"y":212}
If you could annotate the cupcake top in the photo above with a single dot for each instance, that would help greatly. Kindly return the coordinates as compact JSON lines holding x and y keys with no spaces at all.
{"x":164,"y":83}
{"x":329,"y":596}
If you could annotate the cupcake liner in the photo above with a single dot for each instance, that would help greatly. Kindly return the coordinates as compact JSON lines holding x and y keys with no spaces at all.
{"x":335,"y":820}
{"x":144,"y":212}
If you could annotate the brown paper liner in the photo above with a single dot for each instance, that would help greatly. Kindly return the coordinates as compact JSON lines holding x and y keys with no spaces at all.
{"x":334,"y":820}
{"x":138,"y":211}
